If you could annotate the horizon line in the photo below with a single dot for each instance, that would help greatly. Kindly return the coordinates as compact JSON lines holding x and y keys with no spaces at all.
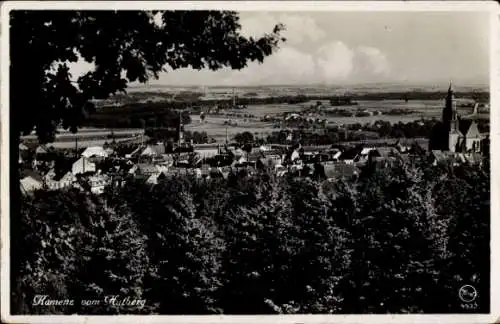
{"x":320,"y":85}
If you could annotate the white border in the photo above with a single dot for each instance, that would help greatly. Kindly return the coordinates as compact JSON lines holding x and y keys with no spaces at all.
{"x":454,"y":6}
{"x":483,"y":6}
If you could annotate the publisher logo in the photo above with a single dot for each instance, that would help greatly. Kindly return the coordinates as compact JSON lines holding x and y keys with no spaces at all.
{"x":467,"y":294}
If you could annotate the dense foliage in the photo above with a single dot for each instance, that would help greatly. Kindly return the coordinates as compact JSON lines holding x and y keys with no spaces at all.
{"x":400,"y":239}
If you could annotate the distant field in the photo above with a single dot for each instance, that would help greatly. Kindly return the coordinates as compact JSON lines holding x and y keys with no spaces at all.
{"x":423,"y":108}
{"x":90,"y":132}
{"x":88,"y":137}
{"x":84,"y":144}
{"x":214,"y":126}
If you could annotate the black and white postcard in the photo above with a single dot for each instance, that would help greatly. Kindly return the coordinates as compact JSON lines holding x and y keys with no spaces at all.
{"x":249,"y":162}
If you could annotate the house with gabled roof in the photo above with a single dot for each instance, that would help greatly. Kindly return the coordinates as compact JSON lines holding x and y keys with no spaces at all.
{"x":30,"y":181}
{"x":42,"y":149}
{"x":95,"y":151}
{"x":144,"y":170}
{"x":349,"y":156}
{"x":83,"y":165}
{"x":149,"y":151}
{"x":30,"y":184}
{"x":58,"y":181}
{"x":66,"y":180}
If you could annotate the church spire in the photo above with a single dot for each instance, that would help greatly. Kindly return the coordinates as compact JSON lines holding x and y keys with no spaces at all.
{"x":450,"y":98}
{"x":450,"y":109}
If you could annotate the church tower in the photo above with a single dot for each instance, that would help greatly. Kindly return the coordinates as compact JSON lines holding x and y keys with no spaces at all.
{"x":450,"y":118}
{"x":450,"y":121}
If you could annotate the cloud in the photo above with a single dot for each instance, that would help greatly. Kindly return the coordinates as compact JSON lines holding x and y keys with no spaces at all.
{"x":332,"y":63}
{"x":335,"y":62}
{"x":299,"y":28}
{"x":287,"y":65}
{"x":338,"y":62}
{"x":372,"y":60}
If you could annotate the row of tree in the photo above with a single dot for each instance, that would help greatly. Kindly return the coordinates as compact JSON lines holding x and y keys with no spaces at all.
{"x":197,"y":137}
{"x":114,"y":118}
{"x":401,"y":239}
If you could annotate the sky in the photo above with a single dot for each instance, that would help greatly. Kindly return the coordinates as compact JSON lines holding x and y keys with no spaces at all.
{"x":341,"y":48}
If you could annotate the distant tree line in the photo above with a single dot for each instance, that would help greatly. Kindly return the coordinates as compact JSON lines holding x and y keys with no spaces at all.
{"x":398,"y":112}
{"x":136,"y":117}
{"x":399,"y":239}
{"x":197,"y":137}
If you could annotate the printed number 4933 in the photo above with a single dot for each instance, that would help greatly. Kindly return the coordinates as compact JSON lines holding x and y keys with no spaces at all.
{"x":470,"y":306}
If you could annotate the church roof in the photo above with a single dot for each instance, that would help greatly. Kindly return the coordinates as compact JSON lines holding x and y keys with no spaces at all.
{"x":464,"y":126}
{"x":468,"y":128}
{"x":473,"y":130}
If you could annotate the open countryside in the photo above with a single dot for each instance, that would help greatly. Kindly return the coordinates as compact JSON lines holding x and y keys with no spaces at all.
{"x":229,"y":122}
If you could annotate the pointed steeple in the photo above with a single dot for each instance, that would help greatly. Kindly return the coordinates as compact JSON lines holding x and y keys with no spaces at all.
{"x":449,"y":111}
{"x":451,"y":96}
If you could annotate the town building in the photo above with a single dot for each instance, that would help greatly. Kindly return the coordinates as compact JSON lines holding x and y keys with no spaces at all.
{"x":54,"y":181}
{"x":95,"y":151}
{"x":98,"y":183}
{"x":31,"y":182}
{"x":83,"y":165}
{"x":145,"y":170}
